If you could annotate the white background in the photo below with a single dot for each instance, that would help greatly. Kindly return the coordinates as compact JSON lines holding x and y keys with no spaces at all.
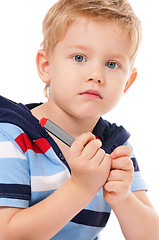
{"x":20,"y":38}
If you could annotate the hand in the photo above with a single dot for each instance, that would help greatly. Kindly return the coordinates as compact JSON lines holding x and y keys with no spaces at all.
{"x":121,"y":175}
{"x":89,"y":164}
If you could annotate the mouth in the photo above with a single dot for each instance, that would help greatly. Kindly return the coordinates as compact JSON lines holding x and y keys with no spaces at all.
{"x":91,"y":94}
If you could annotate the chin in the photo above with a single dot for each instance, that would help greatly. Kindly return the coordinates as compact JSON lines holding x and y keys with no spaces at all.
{"x":86,"y":113}
{"x":88,"y":116}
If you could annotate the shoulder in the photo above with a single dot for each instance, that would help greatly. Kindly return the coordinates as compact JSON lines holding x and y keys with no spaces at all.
{"x":9,"y":133}
{"x":20,"y":115}
{"x":10,"y":146}
{"x":111,"y":134}
{"x":10,"y":130}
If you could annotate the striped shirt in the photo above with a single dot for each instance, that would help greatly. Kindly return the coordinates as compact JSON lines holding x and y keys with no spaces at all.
{"x":32,"y":167}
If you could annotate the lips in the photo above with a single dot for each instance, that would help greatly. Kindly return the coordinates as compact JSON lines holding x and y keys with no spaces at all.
{"x":91,"y":94}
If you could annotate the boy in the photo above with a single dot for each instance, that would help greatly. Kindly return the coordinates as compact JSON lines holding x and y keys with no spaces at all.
{"x":50,"y":191}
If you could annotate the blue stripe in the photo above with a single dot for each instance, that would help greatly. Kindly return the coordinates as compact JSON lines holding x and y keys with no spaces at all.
{"x":54,"y":165}
{"x":36,"y":197}
{"x":16,"y":172}
{"x":138,"y":182}
{"x":16,"y":191}
{"x":11,"y":202}
{"x":73,"y":231}
{"x":136,"y":166}
{"x":91,"y":218}
{"x":98,"y":203}
{"x":10,"y":131}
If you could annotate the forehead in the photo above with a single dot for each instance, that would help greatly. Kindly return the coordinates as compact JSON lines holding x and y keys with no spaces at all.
{"x":91,"y":33}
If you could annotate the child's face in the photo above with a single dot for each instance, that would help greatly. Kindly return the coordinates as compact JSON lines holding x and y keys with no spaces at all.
{"x":89,"y":69}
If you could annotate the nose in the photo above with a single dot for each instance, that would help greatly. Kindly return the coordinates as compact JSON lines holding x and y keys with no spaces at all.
{"x":95,"y":80}
{"x":96,"y":76}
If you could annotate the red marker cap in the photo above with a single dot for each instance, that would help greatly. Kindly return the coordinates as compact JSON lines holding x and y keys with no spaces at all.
{"x":43,"y":121}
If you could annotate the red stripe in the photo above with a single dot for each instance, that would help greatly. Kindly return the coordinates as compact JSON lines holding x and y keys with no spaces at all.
{"x":40,"y":145}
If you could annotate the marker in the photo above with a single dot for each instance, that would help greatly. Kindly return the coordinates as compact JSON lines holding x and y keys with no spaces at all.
{"x":57,"y":131}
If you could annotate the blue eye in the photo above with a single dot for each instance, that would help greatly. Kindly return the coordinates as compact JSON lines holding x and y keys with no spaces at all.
{"x":79,"y":58}
{"x":112,"y":65}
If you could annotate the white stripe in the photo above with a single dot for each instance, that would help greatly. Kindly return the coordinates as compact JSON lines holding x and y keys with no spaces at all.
{"x":8,"y":150}
{"x":47,"y":183}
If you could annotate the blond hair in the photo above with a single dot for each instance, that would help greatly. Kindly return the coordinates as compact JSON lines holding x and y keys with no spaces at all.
{"x":64,"y":12}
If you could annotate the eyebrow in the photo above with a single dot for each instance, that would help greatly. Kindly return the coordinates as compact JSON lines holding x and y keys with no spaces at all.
{"x":118,"y":55}
{"x":82,"y":47}
{"x":111,"y":55}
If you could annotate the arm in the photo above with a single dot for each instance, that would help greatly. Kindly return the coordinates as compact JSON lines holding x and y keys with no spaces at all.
{"x":140,"y":221}
{"x":88,"y":163}
{"x":43,"y":221}
{"x":136,"y":216}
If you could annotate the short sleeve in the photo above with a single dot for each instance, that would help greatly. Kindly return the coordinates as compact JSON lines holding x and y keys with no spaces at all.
{"x":15,"y":186}
{"x":138,"y":182}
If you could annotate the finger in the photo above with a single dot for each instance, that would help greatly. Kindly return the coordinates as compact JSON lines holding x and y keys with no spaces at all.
{"x":106,"y":165}
{"x":98,"y":157}
{"x":79,"y":144}
{"x":122,"y":163}
{"x":118,"y":175}
{"x":115,"y":186}
{"x":121,"y":151}
{"x":91,"y":149}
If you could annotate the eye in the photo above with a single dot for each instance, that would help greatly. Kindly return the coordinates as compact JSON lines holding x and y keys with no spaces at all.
{"x":112,"y":65}
{"x":79,"y":58}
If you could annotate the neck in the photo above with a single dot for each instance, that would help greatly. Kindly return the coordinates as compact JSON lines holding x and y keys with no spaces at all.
{"x":72,"y":125}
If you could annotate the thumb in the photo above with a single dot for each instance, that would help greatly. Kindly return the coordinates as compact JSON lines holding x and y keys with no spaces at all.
{"x":80,"y":143}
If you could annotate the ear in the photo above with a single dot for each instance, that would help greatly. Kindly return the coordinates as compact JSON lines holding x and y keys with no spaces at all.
{"x":43,"y":66}
{"x":131,"y":80}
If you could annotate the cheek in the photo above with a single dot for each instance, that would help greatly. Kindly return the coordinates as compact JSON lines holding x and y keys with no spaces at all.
{"x":60,"y":88}
{"x":115,"y":94}
{"x":116,"y":87}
